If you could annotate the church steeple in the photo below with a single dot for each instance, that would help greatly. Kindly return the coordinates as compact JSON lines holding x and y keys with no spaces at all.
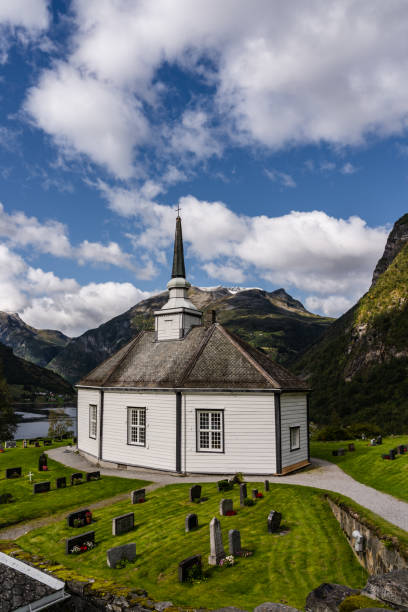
{"x":178,"y":256}
{"x":179,"y":314}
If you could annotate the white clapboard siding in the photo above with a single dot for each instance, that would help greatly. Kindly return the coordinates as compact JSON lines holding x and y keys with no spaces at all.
{"x":293,"y":414}
{"x":85,"y":398}
{"x":249,"y":433}
{"x":160,"y":449}
{"x":168,"y":326}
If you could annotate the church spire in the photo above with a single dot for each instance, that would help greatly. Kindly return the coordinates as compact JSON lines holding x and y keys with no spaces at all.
{"x":178,"y":270}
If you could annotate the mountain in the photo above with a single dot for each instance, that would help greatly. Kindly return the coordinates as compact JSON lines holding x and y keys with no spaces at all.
{"x":358,"y":368}
{"x":273,"y":322}
{"x":18,"y":371}
{"x":39,"y":346}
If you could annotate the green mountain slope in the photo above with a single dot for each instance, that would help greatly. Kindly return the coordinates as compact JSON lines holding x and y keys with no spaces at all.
{"x":36,"y":345}
{"x":358,"y":369}
{"x":274,"y":322}
{"x":17,"y":371}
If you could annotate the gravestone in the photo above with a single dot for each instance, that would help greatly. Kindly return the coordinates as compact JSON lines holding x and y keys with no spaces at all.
{"x":242,"y":494}
{"x":185,"y":567}
{"x":24,"y":443}
{"x":392,"y":454}
{"x":191,"y":522}
{"x":195,"y":492}
{"x":351,"y":447}
{"x":30,"y":442}
{"x":78,"y":515}
{"x":266,"y":483}
{"x":10,"y":444}
{"x":41,"y":487}
{"x":379,"y":439}
{"x":254,"y":493}
{"x":61,"y":482}
{"x":42,"y":461}
{"x":125,"y":552}
{"x":13,"y":472}
{"x":341,"y":452}
{"x":216,"y":546}
{"x":93,"y":476}
{"x":76,"y":478}
{"x":274,"y":520}
{"x":373,"y":442}
{"x":47,"y":442}
{"x":401,"y":449}
{"x":79,"y":540}
{"x":137,"y":496}
{"x":37,"y":444}
{"x":123,"y":524}
{"x":234,"y":542}
{"x":226,"y":505}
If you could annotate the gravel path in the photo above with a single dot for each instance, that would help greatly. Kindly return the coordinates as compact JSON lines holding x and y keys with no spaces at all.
{"x":322,"y":475}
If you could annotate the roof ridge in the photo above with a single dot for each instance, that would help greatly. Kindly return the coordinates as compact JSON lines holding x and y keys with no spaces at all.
{"x":197,"y":354}
{"x":131,"y":345}
{"x":248,"y":357}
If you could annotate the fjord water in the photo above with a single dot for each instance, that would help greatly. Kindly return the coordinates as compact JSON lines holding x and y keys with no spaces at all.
{"x":35,"y":420}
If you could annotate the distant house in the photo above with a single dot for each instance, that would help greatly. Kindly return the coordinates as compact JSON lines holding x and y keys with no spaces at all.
{"x":192,"y":397}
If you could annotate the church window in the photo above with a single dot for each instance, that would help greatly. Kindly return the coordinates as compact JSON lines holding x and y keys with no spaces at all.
{"x":137,"y":426}
{"x":92,"y":420}
{"x":294,"y":438}
{"x":210,"y":430}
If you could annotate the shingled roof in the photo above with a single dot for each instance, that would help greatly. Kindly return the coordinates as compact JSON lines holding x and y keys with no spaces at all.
{"x":206,"y":358}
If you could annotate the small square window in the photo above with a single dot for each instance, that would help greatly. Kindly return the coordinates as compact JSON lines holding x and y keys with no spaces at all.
{"x":294,"y":438}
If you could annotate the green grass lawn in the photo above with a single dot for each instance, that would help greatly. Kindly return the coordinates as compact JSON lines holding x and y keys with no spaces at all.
{"x":27,"y":506}
{"x":283,"y":568}
{"x":367,"y":466}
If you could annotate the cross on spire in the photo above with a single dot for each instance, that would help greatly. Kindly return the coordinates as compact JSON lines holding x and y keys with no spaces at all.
{"x":178,"y":210}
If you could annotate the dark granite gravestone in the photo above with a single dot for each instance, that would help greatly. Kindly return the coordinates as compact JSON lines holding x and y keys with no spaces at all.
{"x":42,"y":461}
{"x":351,"y":447}
{"x":36,"y":444}
{"x":123,"y":524}
{"x":274,"y":521}
{"x":341,"y":452}
{"x":392,"y":454}
{"x":254,"y":493}
{"x":191,"y":564}
{"x":137,"y":496}
{"x":30,"y":442}
{"x":79,"y":540}
{"x":242,"y":494}
{"x":191,"y":522}
{"x":41,"y":487}
{"x":335,"y":453}
{"x":79,"y":517}
{"x":379,"y":439}
{"x":76,"y":478}
{"x":195,"y":493}
{"x":126,"y":552}
{"x":234,"y":542}
{"x":93,"y":476}
{"x":13,"y":472}
{"x":266,"y":483}
{"x":5,"y":498}
{"x":61,"y":482}
{"x":401,"y":449}
{"x":226,"y":505}
{"x":224,"y":485}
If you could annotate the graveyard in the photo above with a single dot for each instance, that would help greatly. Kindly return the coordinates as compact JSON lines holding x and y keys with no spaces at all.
{"x":367,"y":465}
{"x":163,"y":528}
{"x":47,"y":491}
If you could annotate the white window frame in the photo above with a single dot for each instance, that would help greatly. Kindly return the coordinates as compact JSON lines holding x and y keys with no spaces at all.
{"x":136,"y":426}
{"x":211,"y":430}
{"x":93,"y":421}
{"x":294,"y":437}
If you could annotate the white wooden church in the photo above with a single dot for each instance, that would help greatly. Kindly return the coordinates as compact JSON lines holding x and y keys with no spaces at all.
{"x":192,"y":397}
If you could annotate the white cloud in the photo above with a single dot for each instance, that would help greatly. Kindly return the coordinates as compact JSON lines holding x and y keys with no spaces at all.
{"x":280,"y":177}
{"x":331,"y":306}
{"x":327,"y":165}
{"x":21,"y":21}
{"x":96,"y":252}
{"x":194,"y":135}
{"x":227,"y":273}
{"x":348,"y":168}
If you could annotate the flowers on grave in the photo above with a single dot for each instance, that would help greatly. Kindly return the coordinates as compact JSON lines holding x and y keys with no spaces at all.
{"x":227,"y":561}
{"x":79,"y":522}
{"x":88,"y":517}
{"x":44,"y":468}
{"x":259,"y":495}
{"x":231,"y":513}
{"x":245,"y":553}
{"x":141,"y":500}
{"x":76,"y":550}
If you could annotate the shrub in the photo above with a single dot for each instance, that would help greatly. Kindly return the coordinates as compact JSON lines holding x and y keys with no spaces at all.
{"x":333,"y":432}
{"x":249,"y":502}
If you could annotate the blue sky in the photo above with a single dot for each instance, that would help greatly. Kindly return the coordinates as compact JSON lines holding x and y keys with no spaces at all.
{"x":279,"y":128}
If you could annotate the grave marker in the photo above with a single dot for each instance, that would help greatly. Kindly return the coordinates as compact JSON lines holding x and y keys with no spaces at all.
{"x":136,"y":497}
{"x":242,"y":494}
{"x":76,"y":478}
{"x":79,"y":517}
{"x":274,"y":520}
{"x":191,"y":522}
{"x":42,"y":462}
{"x":123,"y":524}
{"x":351,"y":447}
{"x":61,"y":482}
{"x":24,"y":443}
{"x":254,"y":493}
{"x":379,"y":439}
{"x":216,"y":546}
{"x":116,"y":554}
{"x":41,"y":487}
{"x":266,"y":485}
{"x":187,"y":565}
{"x":79,"y":540}
{"x":234,"y":542}
{"x":93,"y":476}
{"x":195,"y":492}
{"x":13,"y":472}
{"x":226,"y":505}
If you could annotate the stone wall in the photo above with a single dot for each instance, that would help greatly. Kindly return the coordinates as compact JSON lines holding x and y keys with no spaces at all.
{"x":377,"y":556}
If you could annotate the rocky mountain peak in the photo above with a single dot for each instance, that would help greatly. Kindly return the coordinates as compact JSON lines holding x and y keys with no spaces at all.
{"x":396,"y":240}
